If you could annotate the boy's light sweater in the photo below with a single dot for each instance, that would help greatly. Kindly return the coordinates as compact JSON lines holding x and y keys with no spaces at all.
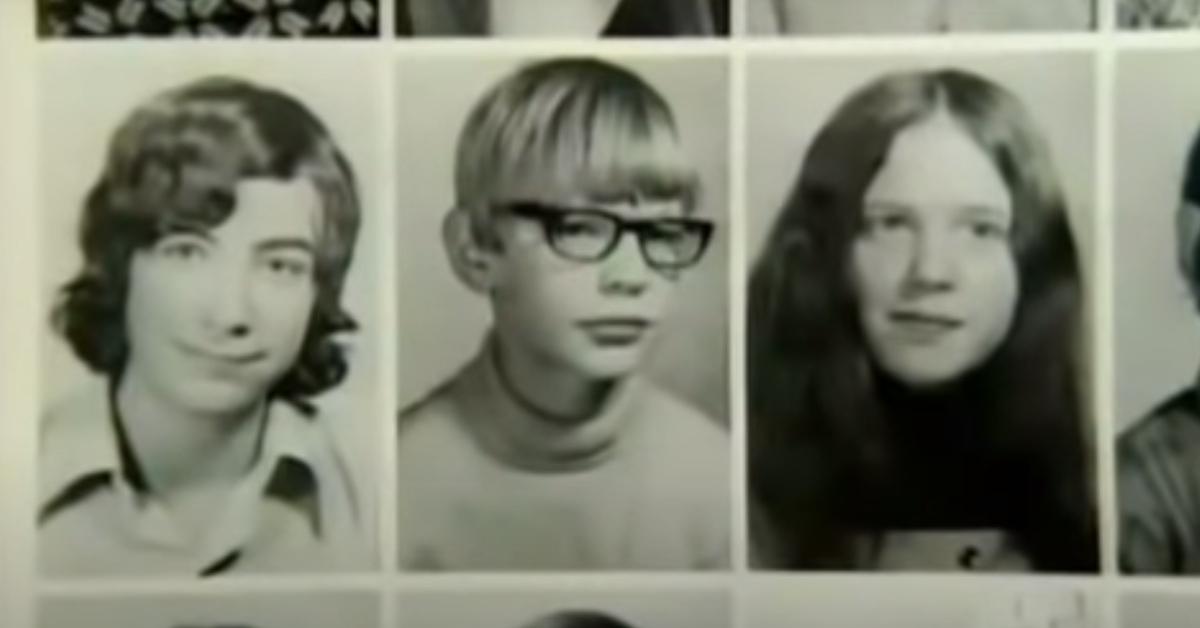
{"x":484,"y":485}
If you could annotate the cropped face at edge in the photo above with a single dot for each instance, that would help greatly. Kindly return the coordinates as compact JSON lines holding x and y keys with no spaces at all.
{"x":932,"y":266}
{"x":1187,"y":239}
{"x":595,"y":318}
{"x":215,"y":317}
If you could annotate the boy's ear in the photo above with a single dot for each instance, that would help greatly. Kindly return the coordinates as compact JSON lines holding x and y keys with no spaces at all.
{"x":474,"y":264}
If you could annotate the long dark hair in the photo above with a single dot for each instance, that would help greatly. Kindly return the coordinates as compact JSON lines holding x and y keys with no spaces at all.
{"x":823,"y":418}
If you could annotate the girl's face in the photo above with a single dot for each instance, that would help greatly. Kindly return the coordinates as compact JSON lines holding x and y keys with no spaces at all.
{"x":216,"y":317}
{"x":931,"y":266}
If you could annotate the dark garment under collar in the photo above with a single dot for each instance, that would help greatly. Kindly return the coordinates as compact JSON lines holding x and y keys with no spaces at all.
{"x":632,"y":18}
{"x":1158,"y":482}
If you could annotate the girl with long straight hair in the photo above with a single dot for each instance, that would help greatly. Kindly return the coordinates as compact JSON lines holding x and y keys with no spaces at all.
{"x":913,"y":386}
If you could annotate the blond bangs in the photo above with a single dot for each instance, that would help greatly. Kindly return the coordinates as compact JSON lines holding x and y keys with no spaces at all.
{"x":611,"y":149}
{"x":594,"y":141}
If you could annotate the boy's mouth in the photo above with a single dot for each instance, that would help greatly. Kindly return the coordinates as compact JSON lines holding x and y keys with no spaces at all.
{"x":616,"y":331}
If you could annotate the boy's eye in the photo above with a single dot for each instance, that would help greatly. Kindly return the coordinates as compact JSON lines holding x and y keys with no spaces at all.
{"x":579,"y":227}
{"x":669,"y":232}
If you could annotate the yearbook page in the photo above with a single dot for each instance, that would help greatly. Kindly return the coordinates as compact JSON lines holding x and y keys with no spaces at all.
{"x":599,"y":313}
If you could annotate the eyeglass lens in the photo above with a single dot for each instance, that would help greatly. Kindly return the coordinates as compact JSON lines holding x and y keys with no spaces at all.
{"x":591,"y":236}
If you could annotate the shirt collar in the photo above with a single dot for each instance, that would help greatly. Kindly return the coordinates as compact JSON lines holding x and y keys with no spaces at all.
{"x":77,"y":442}
{"x":80,"y":443}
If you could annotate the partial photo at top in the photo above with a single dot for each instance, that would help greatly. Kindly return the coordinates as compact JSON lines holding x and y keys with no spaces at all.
{"x":1158,"y":14}
{"x":562,"y":18}
{"x":864,"y":17}
{"x":207,"y":18}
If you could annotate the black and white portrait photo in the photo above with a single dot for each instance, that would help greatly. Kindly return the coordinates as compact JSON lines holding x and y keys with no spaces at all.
{"x":211,"y":402}
{"x":562,"y":280}
{"x":577,"y":607}
{"x":1158,"y":14}
{"x":919,"y":236}
{"x":819,"y":603}
{"x":562,"y":18}
{"x":310,"y":609}
{"x":1156,"y":314}
{"x":863,"y":17}
{"x":207,"y":18}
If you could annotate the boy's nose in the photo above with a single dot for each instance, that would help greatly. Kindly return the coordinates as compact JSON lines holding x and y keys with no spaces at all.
{"x":625,"y":269}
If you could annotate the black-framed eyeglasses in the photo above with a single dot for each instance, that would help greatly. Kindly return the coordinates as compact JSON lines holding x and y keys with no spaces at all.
{"x":591,"y":234}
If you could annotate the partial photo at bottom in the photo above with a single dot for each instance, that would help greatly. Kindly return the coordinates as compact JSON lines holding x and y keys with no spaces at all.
{"x":916,"y":603}
{"x":321,"y":609}
{"x":575,"y":607}
{"x":1159,"y":609}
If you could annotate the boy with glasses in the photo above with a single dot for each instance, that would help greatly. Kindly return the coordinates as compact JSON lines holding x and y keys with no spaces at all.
{"x":574,"y":216}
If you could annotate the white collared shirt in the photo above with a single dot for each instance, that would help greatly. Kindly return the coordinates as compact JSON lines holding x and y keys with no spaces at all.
{"x":296,"y":510}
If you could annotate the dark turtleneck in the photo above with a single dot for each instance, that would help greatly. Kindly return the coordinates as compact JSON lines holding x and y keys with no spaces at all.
{"x":941,"y":473}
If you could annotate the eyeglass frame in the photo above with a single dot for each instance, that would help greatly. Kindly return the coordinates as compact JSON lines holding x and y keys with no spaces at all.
{"x":546,"y":214}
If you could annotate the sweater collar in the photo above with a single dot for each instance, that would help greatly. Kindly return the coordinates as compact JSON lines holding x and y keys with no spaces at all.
{"x":511,"y":430}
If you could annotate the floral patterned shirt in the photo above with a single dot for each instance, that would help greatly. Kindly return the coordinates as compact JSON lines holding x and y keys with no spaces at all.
{"x":1159,"y":13}
{"x":208,"y":18}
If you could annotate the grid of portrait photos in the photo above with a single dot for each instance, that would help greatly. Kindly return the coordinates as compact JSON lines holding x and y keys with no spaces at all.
{"x":599,"y":313}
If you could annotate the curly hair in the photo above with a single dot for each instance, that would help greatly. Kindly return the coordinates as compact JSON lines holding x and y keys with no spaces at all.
{"x":826,"y":426}
{"x":176,"y":160}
